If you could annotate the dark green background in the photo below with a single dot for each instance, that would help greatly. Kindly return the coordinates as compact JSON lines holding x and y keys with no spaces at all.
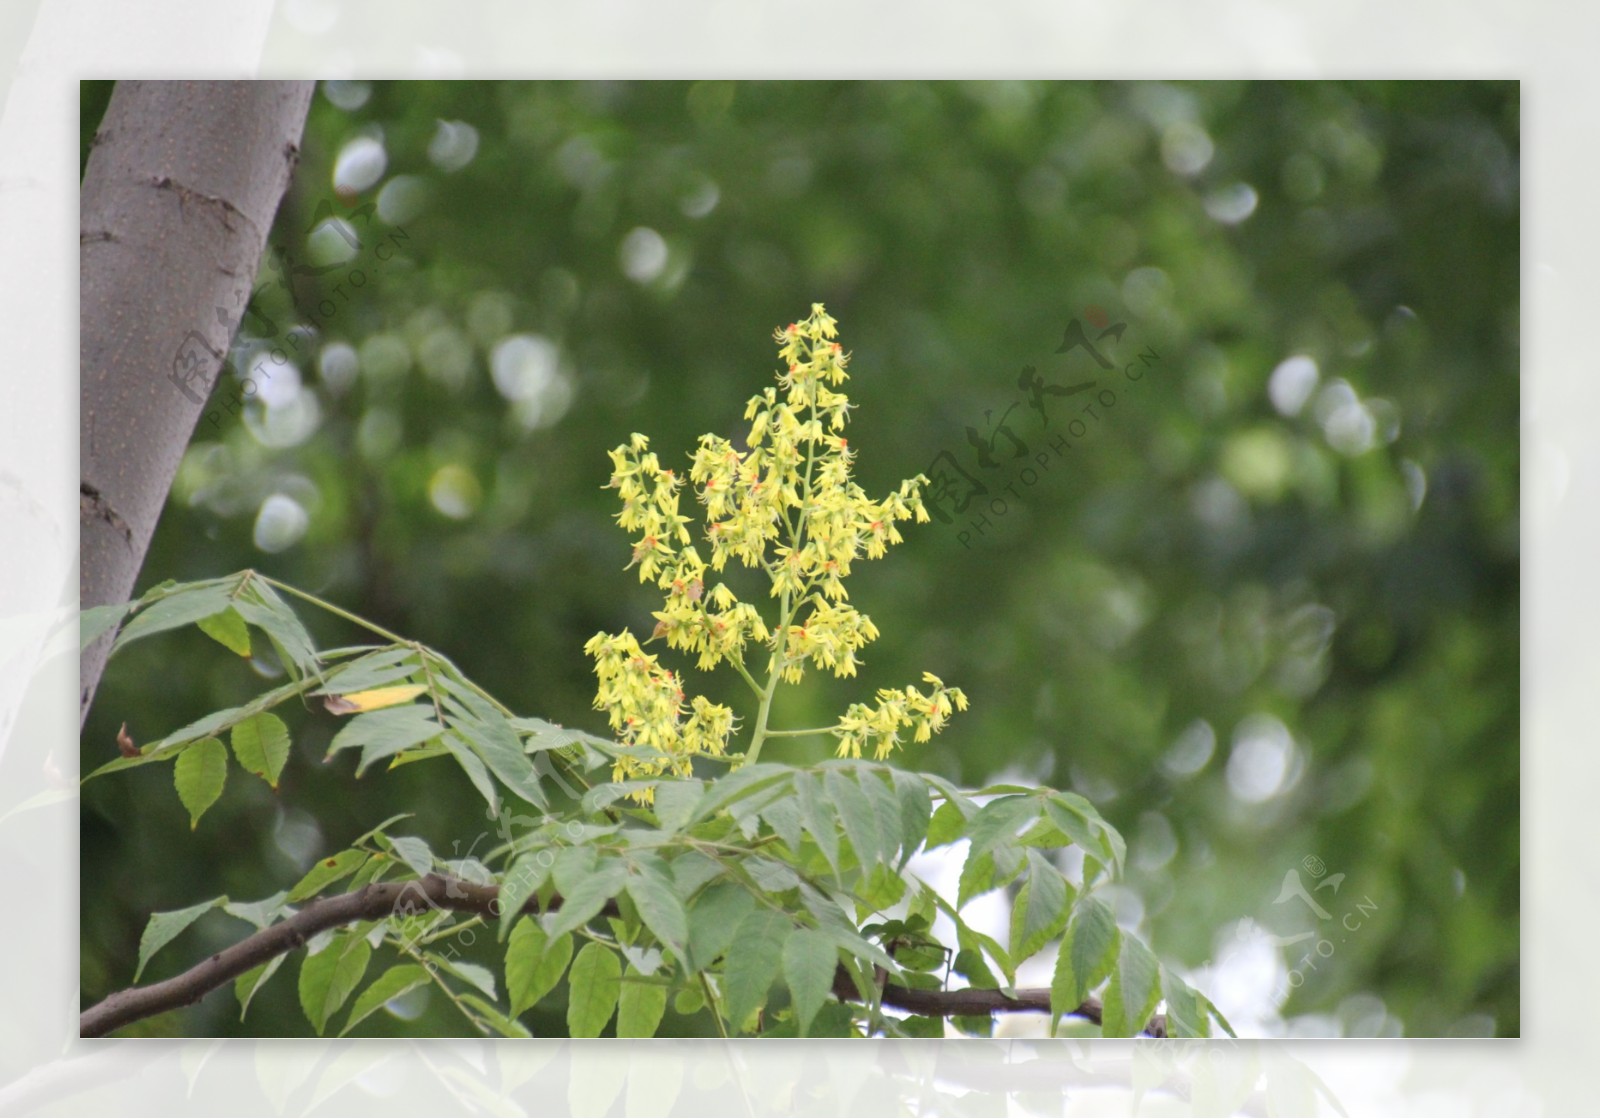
{"x":1198,"y":567}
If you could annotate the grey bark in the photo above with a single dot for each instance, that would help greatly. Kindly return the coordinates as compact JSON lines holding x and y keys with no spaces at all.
{"x":177,"y":201}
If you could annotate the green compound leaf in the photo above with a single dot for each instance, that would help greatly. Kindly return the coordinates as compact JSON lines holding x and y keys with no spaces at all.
{"x":534,"y":963}
{"x":659,"y":907}
{"x":326,"y":872}
{"x":640,"y":1005}
{"x":753,"y":961}
{"x":228,"y":629}
{"x":162,"y":927}
{"x":95,"y":621}
{"x":261,"y":743}
{"x":1041,"y":908}
{"x":1133,"y":992}
{"x":713,"y":919}
{"x":810,"y":961}
{"x":596,"y":984}
{"x":199,"y":775}
{"x":178,"y":608}
{"x":1087,"y":953}
{"x":588,"y":896}
{"x":328,"y":978}
{"x":519,"y":884}
{"x":246,"y":986}
{"x":855,"y":813}
{"x":387,"y":987}
{"x":818,"y":819}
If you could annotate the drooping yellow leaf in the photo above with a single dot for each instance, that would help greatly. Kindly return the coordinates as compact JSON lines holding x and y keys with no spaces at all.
{"x":373,"y":699}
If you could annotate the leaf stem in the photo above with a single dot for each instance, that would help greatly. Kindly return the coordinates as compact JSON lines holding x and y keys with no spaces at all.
{"x":716,"y":1009}
{"x":356,"y":619}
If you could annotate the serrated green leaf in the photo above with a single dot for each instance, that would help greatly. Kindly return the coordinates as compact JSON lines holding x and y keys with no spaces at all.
{"x":736,"y":785}
{"x":389,"y":986}
{"x":1211,"y":1008}
{"x":386,"y":732}
{"x":180,"y":608}
{"x":493,"y":740}
{"x":946,"y":825}
{"x":885,"y":815}
{"x":595,"y":984}
{"x":674,"y":802}
{"x":1133,"y":992}
{"x":534,"y":963}
{"x":969,"y":962}
{"x":818,"y":821}
{"x":1086,"y":829}
{"x":199,"y":775}
{"x":855,"y":813}
{"x":659,"y":906}
{"x":1186,"y":1015}
{"x":414,"y":852}
{"x":246,"y":985}
{"x":387,"y":665}
{"x":783,"y":817}
{"x":572,"y":866}
{"x":262,"y":608}
{"x":978,"y":875}
{"x":227,"y":629}
{"x":162,"y":927}
{"x":997,"y":822}
{"x":640,"y":1005}
{"x":259,"y":913}
{"x":752,"y":964}
{"x":809,"y":963}
{"x":713,"y":918}
{"x":1087,"y":952}
{"x":94,"y":622}
{"x":1041,"y":908}
{"x":916,"y":810}
{"x":326,"y":872}
{"x":328,"y":978}
{"x":520,"y":883}
{"x":490,"y":1013}
{"x":588,"y":897}
{"x":261,"y":743}
{"x":476,"y":974}
{"x":476,"y":771}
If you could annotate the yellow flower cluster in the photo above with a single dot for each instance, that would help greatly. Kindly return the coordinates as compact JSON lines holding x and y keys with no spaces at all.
{"x":646,"y":707}
{"x":785,"y":504}
{"x":880,"y":726}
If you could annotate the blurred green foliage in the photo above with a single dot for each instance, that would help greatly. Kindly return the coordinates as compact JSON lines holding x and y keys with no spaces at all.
{"x":1262,"y":610}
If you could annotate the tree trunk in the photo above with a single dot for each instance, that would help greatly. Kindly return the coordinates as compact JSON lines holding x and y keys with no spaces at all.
{"x":177,"y":201}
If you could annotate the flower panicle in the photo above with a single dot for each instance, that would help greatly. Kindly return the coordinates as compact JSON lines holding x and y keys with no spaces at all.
{"x":786,"y":504}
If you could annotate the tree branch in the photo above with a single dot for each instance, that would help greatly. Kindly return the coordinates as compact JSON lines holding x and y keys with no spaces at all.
{"x":435,"y":891}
